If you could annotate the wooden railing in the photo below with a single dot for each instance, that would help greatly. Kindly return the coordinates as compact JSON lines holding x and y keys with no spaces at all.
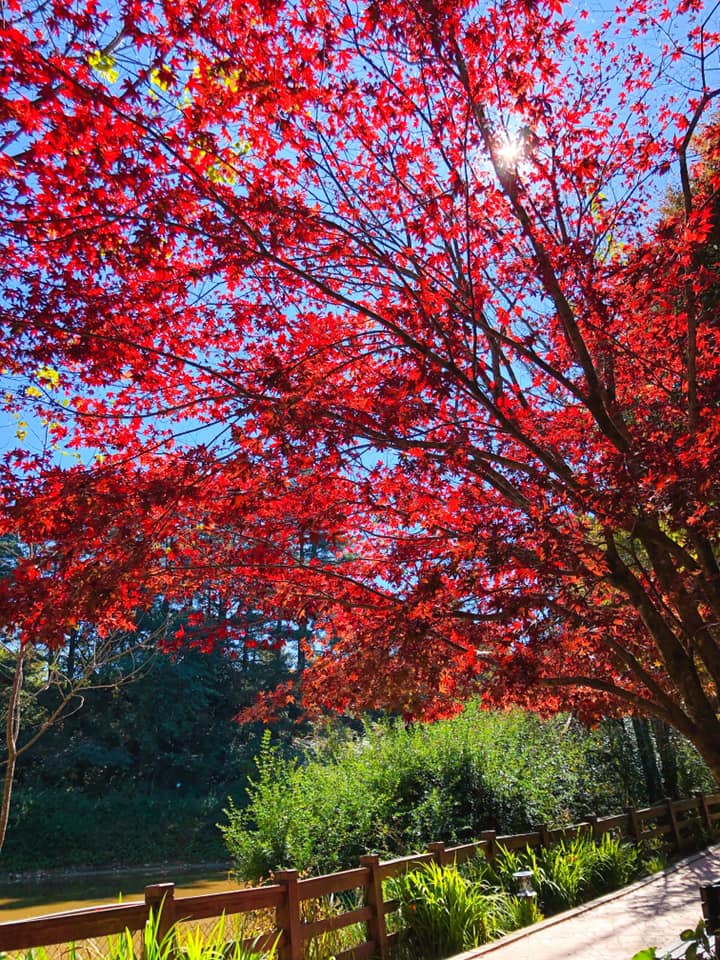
{"x":285,"y":899}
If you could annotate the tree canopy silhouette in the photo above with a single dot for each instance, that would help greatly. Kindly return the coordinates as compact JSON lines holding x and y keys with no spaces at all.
{"x":389,"y":278}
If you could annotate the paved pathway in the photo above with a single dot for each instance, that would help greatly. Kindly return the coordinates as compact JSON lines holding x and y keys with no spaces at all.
{"x":652,"y":912}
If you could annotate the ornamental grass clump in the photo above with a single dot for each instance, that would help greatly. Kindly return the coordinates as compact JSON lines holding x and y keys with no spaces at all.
{"x":567,"y":870}
{"x":566,"y":874}
{"x":577,"y":870}
{"x":444,"y":913}
{"x":217,"y":944}
{"x":616,"y":864}
{"x":222,"y":942}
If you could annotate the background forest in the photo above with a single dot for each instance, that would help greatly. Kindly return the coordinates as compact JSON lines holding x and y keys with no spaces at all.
{"x":141,"y":772}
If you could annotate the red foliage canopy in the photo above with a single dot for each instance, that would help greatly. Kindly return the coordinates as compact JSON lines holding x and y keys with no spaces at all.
{"x":404,"y":281}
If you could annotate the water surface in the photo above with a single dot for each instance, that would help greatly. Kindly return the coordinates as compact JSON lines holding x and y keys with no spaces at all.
{"x":35,"y":897}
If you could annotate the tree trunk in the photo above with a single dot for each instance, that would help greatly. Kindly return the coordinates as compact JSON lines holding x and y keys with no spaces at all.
{"x":72,"y":654}
{"x":648,"y":761}
{"x":706,"y":740}
{"x":12,"y":730}
{"x":668,"y":757}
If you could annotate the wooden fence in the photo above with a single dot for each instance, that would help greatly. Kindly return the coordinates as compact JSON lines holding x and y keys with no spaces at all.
{"x":286,"y":900}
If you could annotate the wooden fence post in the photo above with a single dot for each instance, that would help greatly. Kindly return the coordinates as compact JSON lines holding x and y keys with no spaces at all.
{"x":490,"y":837}
{"x":437,"y":849}
{"x":634,"y":828}
{"x":592,"y":819}
{"x":542,"y":829}
{"x":287,"y":916}
{"x":377,"y":928}
{"x":160,"y":899}
{"x":672,"y":817}
{"x":704,"y":809}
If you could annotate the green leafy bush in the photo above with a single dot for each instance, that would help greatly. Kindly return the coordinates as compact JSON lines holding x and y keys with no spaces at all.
{"x":314,"y":818}
{"x":332,"y":942}
{"x":574,"y":871}
{"x":391,"y":790}
{"x":567,"y":874}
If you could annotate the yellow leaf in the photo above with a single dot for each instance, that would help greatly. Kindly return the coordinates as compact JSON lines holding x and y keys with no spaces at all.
{"x":48,"y":375}
{"x":103,"y":64}
{"x":156,"y":78}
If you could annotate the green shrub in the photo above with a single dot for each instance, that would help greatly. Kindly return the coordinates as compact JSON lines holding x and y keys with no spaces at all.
{"x":320,"y":822}
{"x":499,"y":872}
{"x":524,"y":911}
{"x":331,"y":942}
{"x":571,"y":872}
{"x":220,"y":943}
{"x":654,"y":855}
{"x":567,"y":870}
{"x":391,"y":790}
{"x":692,"y":771}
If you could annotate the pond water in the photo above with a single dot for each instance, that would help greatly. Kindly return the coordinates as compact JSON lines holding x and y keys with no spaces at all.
{"x":35,"y":897}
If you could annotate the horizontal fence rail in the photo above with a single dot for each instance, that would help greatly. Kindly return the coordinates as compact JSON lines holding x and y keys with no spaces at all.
{"x":289,"y":899}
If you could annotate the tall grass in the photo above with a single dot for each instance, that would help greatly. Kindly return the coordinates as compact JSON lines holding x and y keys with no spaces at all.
{"x":225,"y":941}
{"x":443,"y":913}
{"x":332,"y":942}
{"x":565,"y":874}
{"x":447,"y":910}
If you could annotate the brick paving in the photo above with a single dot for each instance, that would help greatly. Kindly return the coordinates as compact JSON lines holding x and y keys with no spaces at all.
{"x":649,"y":913}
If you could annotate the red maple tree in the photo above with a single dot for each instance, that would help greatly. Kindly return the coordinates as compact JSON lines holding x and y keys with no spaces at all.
{"x":430,"y":284}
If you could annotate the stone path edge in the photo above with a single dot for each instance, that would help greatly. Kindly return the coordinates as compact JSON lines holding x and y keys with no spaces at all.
{"x":584,"y":907}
